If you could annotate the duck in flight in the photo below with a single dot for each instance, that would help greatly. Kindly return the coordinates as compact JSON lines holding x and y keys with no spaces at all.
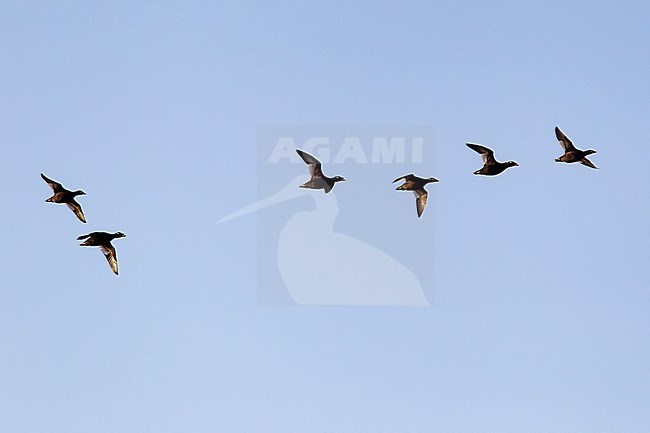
{"x":103,"y":241}
{"x":64,"y":196}
{"x":416,"y":184}
{"x":571,"y":154}
{"x":491,"y":167}
{"x":318,"y":179}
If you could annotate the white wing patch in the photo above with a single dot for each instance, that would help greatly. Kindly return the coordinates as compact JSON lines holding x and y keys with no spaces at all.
{"x":111,"y":257}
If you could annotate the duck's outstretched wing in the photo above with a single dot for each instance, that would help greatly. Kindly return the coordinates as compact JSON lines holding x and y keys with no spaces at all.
{"x":420,"y":200}
{"x":111,"y":256}
{"x":585,"y":161}
{"x":405,"y":178}
{"x":56,"y":186}
{"x":314,"y":164}
{"x":76,"y":208}
{"x":486,"y":154}
{"x":564,"y":141}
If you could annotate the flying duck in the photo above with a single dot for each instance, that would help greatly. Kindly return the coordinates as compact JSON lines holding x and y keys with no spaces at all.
{"x":63,"y":196}
{"x":416,"y":184}
{"x":491,"y":167}
{"x":103,"y":241}
{"x":571,"y":154}
{"x":318,"y":179}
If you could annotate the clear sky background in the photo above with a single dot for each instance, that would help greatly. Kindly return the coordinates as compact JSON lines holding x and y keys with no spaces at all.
{"x":540,"y":318}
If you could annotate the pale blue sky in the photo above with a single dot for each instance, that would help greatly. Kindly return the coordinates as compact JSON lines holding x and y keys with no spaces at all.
{"x":540,"y":319}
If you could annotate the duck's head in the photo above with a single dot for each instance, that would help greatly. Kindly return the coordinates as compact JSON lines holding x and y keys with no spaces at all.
{"x":589,"y":152}
{"x":432,"y":179}
{"x":79,"y":192}
{"x":511,"y":164}
{"x":338,"y":179}
{"x":119,"y":235}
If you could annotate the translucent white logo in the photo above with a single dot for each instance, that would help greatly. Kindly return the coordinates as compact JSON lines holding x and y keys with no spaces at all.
{"x":373,"y":150}
{"x":340,"y":248}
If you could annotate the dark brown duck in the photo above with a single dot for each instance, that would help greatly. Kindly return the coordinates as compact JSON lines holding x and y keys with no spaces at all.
{"x":318,"y":179}
{"x":64,"y":196}
{"x":491,"y":167}
{"x":416,"y":184}
{"x":103,"y":241}
{"x":571,"y":154}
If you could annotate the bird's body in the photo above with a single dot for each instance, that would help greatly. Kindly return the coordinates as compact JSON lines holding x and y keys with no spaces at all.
{"x":491,"y":167}
{"x":571,"y":154}
{"x":318,"y":179}
{"x":103,"y":241}
{"x":64,"y":196}
{"x":416,"y":184}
